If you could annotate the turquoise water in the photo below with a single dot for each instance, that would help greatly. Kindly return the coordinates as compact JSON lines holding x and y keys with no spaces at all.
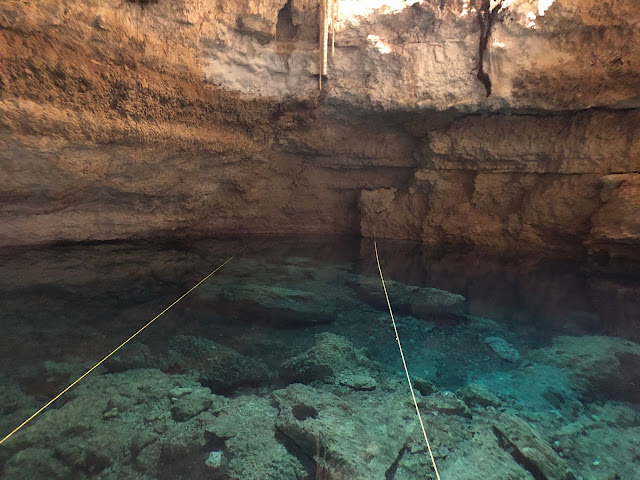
{"x":284,"y":364}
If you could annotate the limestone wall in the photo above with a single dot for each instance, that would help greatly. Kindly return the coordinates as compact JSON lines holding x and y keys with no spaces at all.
{"x":196,"y":117}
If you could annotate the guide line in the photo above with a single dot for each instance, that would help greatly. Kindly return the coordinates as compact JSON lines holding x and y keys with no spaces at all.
{"x":404,"y":363}
{"x":119,"y":347}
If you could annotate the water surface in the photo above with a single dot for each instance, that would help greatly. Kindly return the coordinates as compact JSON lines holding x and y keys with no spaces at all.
{"x":284,"y":364}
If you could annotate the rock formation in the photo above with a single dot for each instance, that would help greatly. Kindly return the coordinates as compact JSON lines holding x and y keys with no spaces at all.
{"x":189,"y":118}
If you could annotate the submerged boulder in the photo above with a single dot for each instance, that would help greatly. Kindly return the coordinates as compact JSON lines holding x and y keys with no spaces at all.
{"x":597,"y":365}
{"x":37,"y":463}
{"x":422,"y":302}
{"x":517,"y":436}
{"x":244,"y":436}
{"x":446,"y":403}
{"x":331,"y":354}
{"x":503,"y":349}
{"x":108,"y":426}
{"x":268,"y":305}
{"x":477,"y":395}
{"x":358,"y":436}
{"x":215,"y":366}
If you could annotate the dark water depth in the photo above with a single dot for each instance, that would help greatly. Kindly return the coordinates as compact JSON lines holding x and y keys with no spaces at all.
{"x":284,"y":364}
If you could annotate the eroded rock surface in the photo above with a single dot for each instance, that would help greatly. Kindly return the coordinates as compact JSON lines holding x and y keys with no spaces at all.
{"x":195,"y":118}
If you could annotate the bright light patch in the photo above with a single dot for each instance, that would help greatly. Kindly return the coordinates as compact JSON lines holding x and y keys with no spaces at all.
{"x":349,"y":10}
{"x":465,"y":8}
{"x":375,"y":40}
{"x":543,"y":5}
{"x":531,"y":17}
{"x":497,"y":44}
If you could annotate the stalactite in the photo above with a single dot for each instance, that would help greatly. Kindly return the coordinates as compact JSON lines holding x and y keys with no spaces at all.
{"x":334,"y":8}
{"x":327,"y":12}
{"x":486,"y":17}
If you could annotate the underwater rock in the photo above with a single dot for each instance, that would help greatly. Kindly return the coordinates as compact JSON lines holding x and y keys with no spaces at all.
{"x":477,"y":395}
{"x":358,"y":382}
{"x":358,"y":437}
{"x":68,"y":371}
{"x":85,"y":445}
{"x":193,"y":402}
{"x":330,"y":355}
{"x":216,"y":366}
{"x":13,"y":400}
{"x":580,"y":442}
{"x":36,"y":463}
{"x":420,"y":302}
{"x":214,"y":460}
{"x":446,"y":403}
{"x":268,"y":305}
{"x":475,"y":455}
{"x":503,"y":349}
{"x":529,"y":449}
{"x":247,"y":431}
{"x":425,"y":387}
{"x":136,"y":355}
{"x":597,"y":365}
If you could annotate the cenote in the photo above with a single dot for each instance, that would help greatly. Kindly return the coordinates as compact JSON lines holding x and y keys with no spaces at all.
{"x":284,"y":364}
{"x":320,"y":240}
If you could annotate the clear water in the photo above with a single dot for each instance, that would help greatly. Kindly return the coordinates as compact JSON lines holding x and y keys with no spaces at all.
{"x":284,"y":364}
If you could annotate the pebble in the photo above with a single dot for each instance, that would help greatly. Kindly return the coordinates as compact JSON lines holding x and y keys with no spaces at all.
{"x":214,"y":460}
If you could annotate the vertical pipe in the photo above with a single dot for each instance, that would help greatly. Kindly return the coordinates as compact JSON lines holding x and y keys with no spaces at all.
{"x":325,"y":34}
{"x":320,"y":43}
{"x":334,"y":8}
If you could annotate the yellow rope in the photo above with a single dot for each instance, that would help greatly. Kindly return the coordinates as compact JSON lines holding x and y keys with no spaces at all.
{"x":404,"y":363}
{"x":118,"y":348}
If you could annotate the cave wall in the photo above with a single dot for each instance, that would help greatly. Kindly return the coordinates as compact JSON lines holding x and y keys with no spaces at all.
{"x":194,"y":118}
{"x":522,"y":181}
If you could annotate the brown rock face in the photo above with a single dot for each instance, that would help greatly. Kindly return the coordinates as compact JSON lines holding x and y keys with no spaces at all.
{"x":522,"y":181}
{"x":195,"y":118}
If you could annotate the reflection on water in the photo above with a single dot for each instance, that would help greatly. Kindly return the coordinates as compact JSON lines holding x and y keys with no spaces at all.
{"x":284,"y":364}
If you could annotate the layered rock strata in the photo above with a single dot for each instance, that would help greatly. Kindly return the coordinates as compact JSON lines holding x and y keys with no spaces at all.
{"x":195,"y":118}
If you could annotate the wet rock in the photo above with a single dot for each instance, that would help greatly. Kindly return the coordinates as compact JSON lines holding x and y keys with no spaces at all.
{"x":350,"y":441}
{"x":581,"y":442}
{"x":597,"y":365}
{"x":247,"y":430}
{"x":477,"y":395}
{"x":503,"y":349}
{"x":268,"y":305}
{"x":68,"y":371}
{"x":421,"y":302}
{"x":192,"y":403}
{"x":446,"y":403}
{"x":12,"y":398}
{"x":214,"y":460}
{"x":425,"y":387}
{"x":137,"y":405}
{"x":358,"y":382}
{"x":531,"y":451}
{"x":134,"y":355}
{"x":478,"y":458}
{"x":330,"y":355}
{"x":36,"y":463}
{"x":216,"y":366}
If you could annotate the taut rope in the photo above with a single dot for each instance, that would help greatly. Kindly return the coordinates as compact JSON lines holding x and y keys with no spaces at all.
{"x":404,"y":363}
{"x":116,"y":349}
